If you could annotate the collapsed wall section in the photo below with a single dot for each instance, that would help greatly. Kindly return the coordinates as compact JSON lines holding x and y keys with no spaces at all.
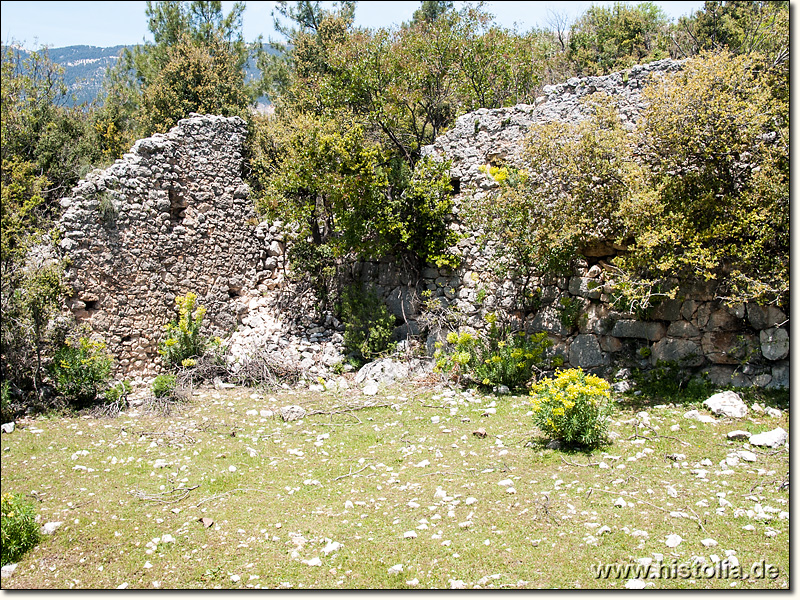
{"x":172,"y":216}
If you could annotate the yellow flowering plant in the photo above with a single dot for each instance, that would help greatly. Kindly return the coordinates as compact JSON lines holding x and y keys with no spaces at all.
{"x":18,"y":527}
{"x":184,"y":343}
{"x":573,"y":407}
{"x":498,"y":358}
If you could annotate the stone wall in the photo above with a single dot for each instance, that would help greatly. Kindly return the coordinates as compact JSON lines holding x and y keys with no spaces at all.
{"x":743,"y":345}
{"x":174,"y":215}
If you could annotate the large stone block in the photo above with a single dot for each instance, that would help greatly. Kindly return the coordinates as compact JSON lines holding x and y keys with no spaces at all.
{"x":629,"y":328}
{"x":774,"y":343}
{"x":682,"y":329}
{"x":585,"y":287}
{"x":780,"y":376}
{"x":722,"y":320}
{"x":724,"y":375}
{"x":728,"y":347}
{"x":764,"y":317}
{"x":683,"y":352}
{"x":668,"y":310}
{"x":548,"y":319}
{"x":585,"y":352}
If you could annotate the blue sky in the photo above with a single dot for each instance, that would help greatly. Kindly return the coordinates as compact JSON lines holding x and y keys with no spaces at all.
{"x":57,"y":24}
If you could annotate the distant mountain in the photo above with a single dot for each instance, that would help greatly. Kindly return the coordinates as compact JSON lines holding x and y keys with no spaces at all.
{"x":85,"y":69}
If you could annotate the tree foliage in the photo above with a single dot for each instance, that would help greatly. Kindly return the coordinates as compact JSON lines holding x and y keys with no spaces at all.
{"x":606,"y":39}
{"x":195,"y":64}
{"x":739,"y":27}
{"x":46,"y":147}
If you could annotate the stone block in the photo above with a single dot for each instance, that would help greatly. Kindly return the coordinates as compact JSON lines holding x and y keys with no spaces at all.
{"x":688,"y":308}
{"x":722,"y":320}
{"x":728,"y":347}
{"x":646,"y":330}
{"x":668,"y":310}
{"x":683,"y":352}
{"x":780,"y":376}
{"x":724,"y":375}
{"x":682,"y":329}
{"x":585,"y":352}
{"x":774,"y":343}
{"x":548,"y":319}
{"x":764,"y":317}
{"x":585,"y":287}
{"x":702,"y":315}
{"x":610,"y":344}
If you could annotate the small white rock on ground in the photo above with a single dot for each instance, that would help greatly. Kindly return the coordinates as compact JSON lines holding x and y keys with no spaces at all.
{"x":727,"y":404}
{"x":696,"y":415}
{"x":50,"y":528}
{"x":673,"y":540}
{"x":292,"y":413}
{"x":772,"y":439}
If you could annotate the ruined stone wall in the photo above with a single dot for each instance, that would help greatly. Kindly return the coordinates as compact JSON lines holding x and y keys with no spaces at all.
{"x":743,"y":345}
{"x":172,"y":216}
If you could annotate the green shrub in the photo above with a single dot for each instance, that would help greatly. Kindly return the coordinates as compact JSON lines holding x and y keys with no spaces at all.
{"x":499,"y":358}
{"x":6,"y":412}
{"x":368,"y":323}
{"x":81,"y":373}
{"x":163,"y":385}
{"x":184,"y":343}
{"x":573,"y":407}
{"x":20,"y":532}
{"x":119,"y":392}
{"x":569,"y":311}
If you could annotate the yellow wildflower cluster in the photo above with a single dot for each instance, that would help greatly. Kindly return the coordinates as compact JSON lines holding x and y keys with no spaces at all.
{"x":572,"y":406}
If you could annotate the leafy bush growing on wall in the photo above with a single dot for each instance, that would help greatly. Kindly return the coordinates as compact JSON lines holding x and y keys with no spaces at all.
{"x":82,"y":372}
{"x":184,"y":343}
{"x":699,"y":191}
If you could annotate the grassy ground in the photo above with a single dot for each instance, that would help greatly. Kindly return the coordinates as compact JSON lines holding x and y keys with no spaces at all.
{"x":390,"y":496}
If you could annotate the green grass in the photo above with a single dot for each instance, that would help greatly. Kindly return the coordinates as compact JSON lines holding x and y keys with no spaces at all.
{"x":348,"y":474}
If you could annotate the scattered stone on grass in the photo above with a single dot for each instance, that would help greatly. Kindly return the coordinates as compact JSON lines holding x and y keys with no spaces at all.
{"x":772,"y":439}
{"x":8,"y":570}
{"x":696,"y":415}
{"x":292,"y":413}
{"x":50,"y":528}
{"x":673,"y":540}
{"x":727,"y":404}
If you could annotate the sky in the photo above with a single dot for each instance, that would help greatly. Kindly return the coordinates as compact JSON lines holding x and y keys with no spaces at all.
{"x":58,"y":24}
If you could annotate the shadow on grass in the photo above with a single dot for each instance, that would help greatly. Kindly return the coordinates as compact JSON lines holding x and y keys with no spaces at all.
{"x":670,"y":385}
{"x":558,"y":446}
